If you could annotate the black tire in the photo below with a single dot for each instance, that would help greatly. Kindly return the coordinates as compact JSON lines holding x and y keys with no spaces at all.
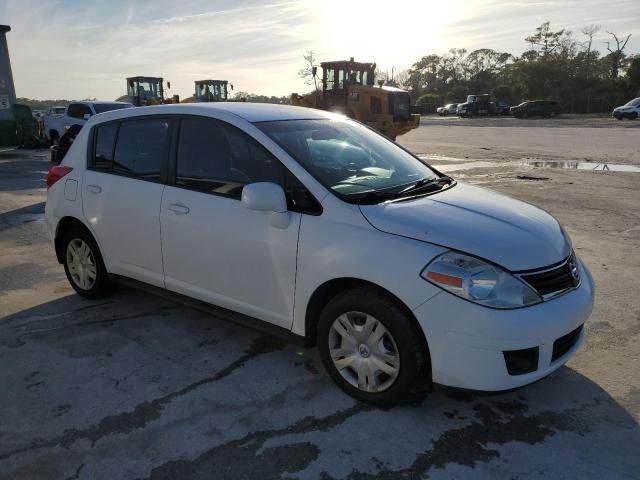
{"x":414,"y":368}
{"x":633,"y":115}
{"x":102,"y":285}
{"x":524,"y":115}
{"x":54,"y":138}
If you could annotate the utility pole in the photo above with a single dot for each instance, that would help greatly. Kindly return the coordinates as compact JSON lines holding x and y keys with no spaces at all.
{"x":7,"y":90}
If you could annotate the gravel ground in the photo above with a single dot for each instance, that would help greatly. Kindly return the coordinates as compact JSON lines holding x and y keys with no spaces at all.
{"x":137,"y":387}
{"x":591,"y":138}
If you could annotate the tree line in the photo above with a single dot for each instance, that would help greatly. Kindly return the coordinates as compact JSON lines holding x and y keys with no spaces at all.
{"x":556,"y":66}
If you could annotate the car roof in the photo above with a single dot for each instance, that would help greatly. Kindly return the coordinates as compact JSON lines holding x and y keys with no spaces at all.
{"x":252,"y":112}
{"x":97,"y":102}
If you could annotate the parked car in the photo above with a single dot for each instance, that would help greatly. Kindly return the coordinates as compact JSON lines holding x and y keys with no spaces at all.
{"x":76,"y":113}
{"x":475,"y":105}
{"x":545,"y":108}
{"x":447,"y":109}
{"x":55,"y":111}
{"x":314,"y":225}
{"x":499,"y":108}
{"x":630,"y":110}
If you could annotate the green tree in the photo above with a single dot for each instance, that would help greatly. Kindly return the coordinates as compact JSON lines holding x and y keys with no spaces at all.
{"x":633,"y":75}
{"x":545,"y":40}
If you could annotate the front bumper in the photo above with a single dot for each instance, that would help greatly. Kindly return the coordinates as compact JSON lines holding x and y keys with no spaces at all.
{"x":467,"y":341}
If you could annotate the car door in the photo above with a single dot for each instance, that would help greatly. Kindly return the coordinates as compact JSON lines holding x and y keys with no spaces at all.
{"x":215,"y":249}
{"x":121,"y":195}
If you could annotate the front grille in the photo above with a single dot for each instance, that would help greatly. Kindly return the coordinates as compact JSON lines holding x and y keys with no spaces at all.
{"x":555,"y":280}
{"x":563,"y":344}
{"x":522,"y":361}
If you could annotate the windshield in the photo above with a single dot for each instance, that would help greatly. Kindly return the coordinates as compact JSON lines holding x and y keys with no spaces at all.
{"x":633,"y":103}
{"x":347,"y":157}
{"x":59,"y":110}
{"x":209,"y":92}
{"x":105,"y":107}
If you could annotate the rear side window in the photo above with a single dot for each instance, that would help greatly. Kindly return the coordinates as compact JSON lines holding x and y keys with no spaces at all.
{"x":217,"y":158}
{"x":78,"y":110}
{"x":105,"y":107}
{"x":105,"y":143}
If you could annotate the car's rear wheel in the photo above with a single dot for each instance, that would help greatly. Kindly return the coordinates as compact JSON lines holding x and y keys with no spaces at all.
{"x":633,"y":115}
{"x":552,"y":114}
{"x":371,"y":347}
{"x":84,"y":266}
{"x":524,"y":114}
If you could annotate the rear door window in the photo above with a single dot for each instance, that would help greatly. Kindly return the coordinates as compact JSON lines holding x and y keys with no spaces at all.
{"x":140,"y":148}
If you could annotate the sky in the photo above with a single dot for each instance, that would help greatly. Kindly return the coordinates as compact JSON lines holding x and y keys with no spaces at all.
{"x":85,"y":49}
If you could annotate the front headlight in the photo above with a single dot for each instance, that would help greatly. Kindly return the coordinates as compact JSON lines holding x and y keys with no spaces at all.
{"x":479,"y":281}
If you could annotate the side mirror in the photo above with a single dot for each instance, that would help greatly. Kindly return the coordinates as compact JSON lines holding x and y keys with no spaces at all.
{"x":264,"y":196}
{"x":86,"y":116}
{"x":267,"y":197}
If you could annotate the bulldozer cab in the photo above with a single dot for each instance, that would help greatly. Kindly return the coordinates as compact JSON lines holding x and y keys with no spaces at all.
{"x":212,"y":91}
{"x":145,"y":90}
{"x":338,"y":76}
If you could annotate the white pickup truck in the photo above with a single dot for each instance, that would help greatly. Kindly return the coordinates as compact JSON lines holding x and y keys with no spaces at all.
{"x":76,"y":113}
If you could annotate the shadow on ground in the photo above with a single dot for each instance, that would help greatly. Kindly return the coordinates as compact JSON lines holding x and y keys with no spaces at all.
{"x":135,"y":386}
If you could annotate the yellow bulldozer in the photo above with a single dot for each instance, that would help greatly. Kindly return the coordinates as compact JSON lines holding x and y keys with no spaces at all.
{"x":144,"y":91}
{"x":349,"y":87}
{"x":210,"y":91}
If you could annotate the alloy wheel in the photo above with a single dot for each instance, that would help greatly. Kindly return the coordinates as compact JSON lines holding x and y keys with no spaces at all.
{"x":81,"y":264}
{"x":364,"y":352}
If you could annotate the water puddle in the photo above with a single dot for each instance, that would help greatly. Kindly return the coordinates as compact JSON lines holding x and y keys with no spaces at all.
{"x":576,"y":165}
{"x":452,"y":164}
{"x":454,"y":167}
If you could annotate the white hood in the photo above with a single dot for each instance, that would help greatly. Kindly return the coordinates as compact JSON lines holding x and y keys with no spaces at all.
{"x":508,"y":232}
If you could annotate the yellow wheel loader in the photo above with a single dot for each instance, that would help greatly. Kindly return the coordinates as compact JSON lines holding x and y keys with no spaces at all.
{"x":210,"y":91}
{"x":349,"y":88}
{"x":144,"y":91}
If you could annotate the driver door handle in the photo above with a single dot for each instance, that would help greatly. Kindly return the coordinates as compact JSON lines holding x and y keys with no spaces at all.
{"x":94,"y":188}
{"x":178,"y":208}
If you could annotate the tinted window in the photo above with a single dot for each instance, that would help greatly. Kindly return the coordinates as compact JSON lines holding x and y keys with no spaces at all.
{"x":78,"y":110}
{"x":140,"y":148}
{"x":216,"y":158}
{"x":105,"y":141}
{"x":105,"y":107}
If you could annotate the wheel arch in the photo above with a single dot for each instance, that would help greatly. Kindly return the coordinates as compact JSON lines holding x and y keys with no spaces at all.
{"x":66,"y":224}
{"x":328,"y":290}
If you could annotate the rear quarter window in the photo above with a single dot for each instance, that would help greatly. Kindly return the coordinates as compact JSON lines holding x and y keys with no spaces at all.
{"x":140,"y":148}
{"x":104,"y":146}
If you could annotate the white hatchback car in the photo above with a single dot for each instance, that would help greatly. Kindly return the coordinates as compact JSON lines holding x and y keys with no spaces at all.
{"x":316,"y":225}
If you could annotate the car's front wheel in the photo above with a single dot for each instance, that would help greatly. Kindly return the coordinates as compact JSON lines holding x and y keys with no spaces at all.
{"x":84,"y":266}
{"x":371,"y":347}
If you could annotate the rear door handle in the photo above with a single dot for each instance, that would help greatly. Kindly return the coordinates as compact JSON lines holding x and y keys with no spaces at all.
{"x":94,"y":188}
{"x":178,"y":208}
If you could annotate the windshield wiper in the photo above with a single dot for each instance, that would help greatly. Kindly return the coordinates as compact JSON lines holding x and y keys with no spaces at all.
{"x":373,"y":197}
{"x":426,"y":184}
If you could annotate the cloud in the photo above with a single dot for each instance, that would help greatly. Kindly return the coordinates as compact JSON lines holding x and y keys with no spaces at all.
{"x":67,"y":49}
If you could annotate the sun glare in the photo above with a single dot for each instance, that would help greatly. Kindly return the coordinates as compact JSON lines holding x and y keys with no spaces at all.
{"x":383,"y":32}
